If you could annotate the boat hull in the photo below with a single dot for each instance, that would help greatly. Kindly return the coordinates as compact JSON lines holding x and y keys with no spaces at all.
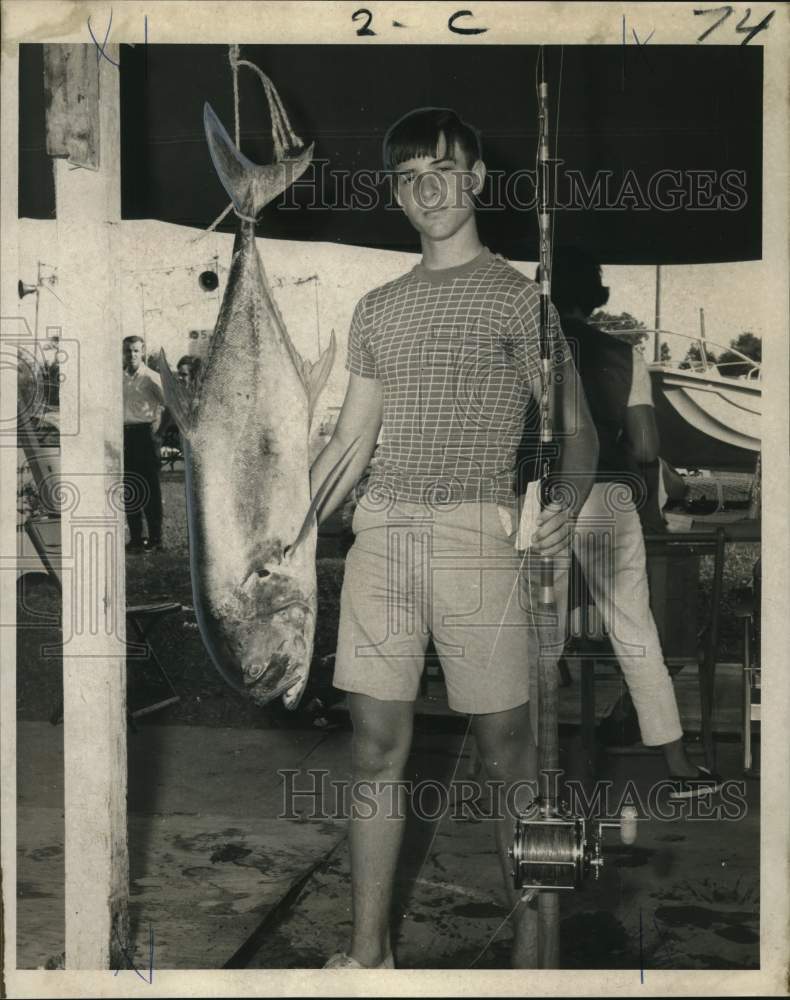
{"x":707,"y":421}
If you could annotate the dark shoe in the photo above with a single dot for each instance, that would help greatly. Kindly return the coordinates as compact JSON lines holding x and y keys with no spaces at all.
{"x":689,"y":788}
{"x":135,"y":545}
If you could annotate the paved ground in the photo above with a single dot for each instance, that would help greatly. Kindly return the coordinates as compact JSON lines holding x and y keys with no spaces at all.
{"x":685,"y":897}
{"x":209,"y":854}
{"x":223,"y":877}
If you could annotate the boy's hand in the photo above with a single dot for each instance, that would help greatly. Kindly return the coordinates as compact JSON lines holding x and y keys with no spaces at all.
{"x":555,"y":529}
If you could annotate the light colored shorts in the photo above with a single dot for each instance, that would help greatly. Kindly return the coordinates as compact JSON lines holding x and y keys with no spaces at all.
{"x":446,"y":571}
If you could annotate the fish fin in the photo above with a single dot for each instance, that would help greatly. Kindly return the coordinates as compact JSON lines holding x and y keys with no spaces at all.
{"x":177,"y":398}
{"x":315,"y":374}
{"x":328,"y":484}
{"x":251,"y":186}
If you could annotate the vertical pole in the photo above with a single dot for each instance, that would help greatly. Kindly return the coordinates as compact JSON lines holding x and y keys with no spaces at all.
{"x":755,"y":493}
{"x":548,"y":736}
{"x":92,"y":526}
{"x":548,"y":766}
{"x":38,"y":302}
{"x":703,"y":355}
{"x":657,"y":338}
{"x":11,"y":332}
{"x":707,"y":676}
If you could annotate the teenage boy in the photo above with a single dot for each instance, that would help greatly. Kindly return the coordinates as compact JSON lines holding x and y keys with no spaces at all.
{"x":444,"y":361}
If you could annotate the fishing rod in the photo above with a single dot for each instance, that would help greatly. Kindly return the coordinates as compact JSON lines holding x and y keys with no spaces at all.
{"x":527,"y":843}
{"x":547,"y":597}
{"x":553,"y":850}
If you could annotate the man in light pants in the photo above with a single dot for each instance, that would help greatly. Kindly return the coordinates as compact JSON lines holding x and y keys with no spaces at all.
{"x":617,"y":386}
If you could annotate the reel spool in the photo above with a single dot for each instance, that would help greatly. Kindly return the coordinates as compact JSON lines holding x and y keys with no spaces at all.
{"x":555,"y":851}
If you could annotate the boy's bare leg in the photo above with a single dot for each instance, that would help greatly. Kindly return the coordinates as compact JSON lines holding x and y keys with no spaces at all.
{"x":380,"y":748}
{"x":507,"y":747}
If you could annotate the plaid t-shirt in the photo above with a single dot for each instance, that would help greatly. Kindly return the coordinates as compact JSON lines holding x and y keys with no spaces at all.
{"x":457,"y":353}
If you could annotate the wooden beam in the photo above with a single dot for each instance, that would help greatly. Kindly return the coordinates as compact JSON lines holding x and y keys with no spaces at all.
{"x":10,"y":330}
{"x":71,"y":85}
{"x":92,"y":525}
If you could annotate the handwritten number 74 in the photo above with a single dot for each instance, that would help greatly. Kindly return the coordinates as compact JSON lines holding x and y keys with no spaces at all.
{"x":741,"y":27}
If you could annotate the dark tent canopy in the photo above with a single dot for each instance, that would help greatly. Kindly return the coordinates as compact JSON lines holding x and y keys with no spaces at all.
{"x":661,"y":146}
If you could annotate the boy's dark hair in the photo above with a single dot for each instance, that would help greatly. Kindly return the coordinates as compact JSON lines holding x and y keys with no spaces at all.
{"x":190,"y":360}
{"x":576,"y":281}
{"x":417,"y":134}
{"x":133,"y":339}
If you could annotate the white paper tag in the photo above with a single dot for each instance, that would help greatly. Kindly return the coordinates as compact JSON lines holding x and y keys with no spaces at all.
{"x":529,"y":516}
{"x":506,"y":519}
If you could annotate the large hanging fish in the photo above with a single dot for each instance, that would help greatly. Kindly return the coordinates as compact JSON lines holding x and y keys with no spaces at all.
{"x":252,"y":524}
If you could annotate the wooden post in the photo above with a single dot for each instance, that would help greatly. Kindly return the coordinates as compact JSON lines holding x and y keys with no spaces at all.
{"x":9,"y":331}
{"x":83,"y":125}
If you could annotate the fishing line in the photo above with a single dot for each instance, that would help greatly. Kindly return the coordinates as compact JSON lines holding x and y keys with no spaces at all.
{"x":233,"y":56}
{"x":283,"y":135}
{"x":525,"y":898}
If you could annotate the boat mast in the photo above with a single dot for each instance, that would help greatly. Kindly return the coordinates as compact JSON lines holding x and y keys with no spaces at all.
{"x":657,"y":324}
{"x":702,"y":354}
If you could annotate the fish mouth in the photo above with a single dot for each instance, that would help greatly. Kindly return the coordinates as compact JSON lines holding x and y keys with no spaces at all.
{"x":265,"y":681}
{"x":279,"y":665}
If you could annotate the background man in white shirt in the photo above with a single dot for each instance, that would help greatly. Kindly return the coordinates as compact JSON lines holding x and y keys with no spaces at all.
{"x":143,"y":403}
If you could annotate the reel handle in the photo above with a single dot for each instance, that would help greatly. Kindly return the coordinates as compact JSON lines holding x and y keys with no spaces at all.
{"x":626,"y":825}
{"x":628,"y":821}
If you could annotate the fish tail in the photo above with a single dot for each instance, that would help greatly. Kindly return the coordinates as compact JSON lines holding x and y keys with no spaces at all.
{"x":251,"y":186}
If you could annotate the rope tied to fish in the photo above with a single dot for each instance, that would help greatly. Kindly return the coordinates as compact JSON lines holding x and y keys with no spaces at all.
{"x":286,"y":141}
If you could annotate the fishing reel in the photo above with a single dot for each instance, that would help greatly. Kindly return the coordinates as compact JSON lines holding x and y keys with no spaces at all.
{"x":555,"y":851}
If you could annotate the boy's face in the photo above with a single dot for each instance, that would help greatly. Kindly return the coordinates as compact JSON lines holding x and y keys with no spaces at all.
{"x":437,"y":192}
